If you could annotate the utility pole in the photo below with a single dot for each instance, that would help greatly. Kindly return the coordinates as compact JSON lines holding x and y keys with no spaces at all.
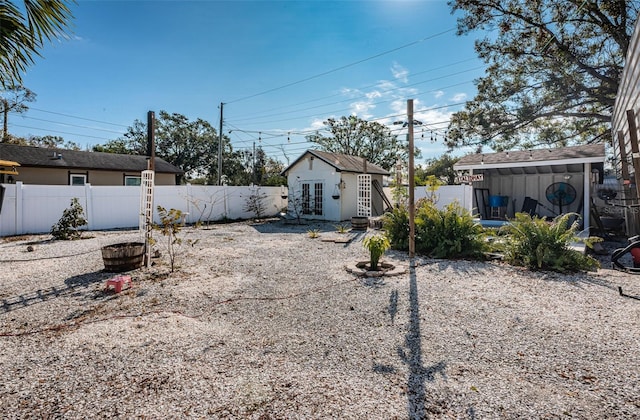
{"x":220,"y":146}
{"x":412,"y":209}
{"x":151,"y":140}
{"x":253,"y":166}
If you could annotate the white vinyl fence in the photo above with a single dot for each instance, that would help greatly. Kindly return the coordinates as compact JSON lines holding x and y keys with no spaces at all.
{"x":444,"y":195}
{"x":35,"y":208}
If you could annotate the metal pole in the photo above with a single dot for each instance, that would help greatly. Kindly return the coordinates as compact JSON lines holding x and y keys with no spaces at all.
{"x":412,"y":210}
{"x":220,"y":146}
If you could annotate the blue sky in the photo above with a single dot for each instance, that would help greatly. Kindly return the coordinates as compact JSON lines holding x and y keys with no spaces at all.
{"x":280,"y":67}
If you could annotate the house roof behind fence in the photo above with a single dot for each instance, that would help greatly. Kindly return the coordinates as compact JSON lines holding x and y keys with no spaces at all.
{"x":31,"y":156}
{"x":342,"y":162}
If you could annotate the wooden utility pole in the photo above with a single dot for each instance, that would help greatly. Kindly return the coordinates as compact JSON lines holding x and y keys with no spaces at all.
{"x":151,"y":140}
{"x":220,"y":146}
{"x":412,"y":209}
{"x":635,"y":152}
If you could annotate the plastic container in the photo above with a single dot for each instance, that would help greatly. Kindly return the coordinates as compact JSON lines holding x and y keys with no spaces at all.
{"x":498,"y":201}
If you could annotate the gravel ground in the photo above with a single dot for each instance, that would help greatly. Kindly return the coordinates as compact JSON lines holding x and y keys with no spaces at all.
{"x":260,"y":321}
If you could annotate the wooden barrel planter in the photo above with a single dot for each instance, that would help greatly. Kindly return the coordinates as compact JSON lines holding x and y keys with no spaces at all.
{"x":359,"y":223}
{"x":123,"y":257}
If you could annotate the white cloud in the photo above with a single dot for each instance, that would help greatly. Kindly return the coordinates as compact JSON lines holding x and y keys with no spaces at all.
{"x":362,"y":108}
{"x":316,"y":124}
{"x":459,"y":97}
{"x":350,"y":93}
{"x":438,"y":94}
{"x":400,"y":73}
{"x":374,"y":94}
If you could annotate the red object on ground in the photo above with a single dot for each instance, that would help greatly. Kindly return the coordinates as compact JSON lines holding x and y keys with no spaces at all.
{"x":118,"y":281}
{"x":635,"y":253}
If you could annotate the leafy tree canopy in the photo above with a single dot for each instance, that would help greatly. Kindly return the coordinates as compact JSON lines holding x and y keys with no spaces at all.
{"x":23,"y":31}
{"x":190,"y":145}
{"x":357,"y":137}
{"x":193,"y":147}
{"x":13,"y":99}
{"x":441,"y":168}
{"x":49,"y":142}
{"x":553,"y":71}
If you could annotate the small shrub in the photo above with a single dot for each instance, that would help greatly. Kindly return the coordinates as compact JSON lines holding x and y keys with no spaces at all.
{"x":170,"y":226}
{"x":377,"y":245}
{"x":313,"y":233}
{"x":68,"y":227}
{"x":342,"y":228}
{"x":534,"y":243}
{"x":255,"y":203}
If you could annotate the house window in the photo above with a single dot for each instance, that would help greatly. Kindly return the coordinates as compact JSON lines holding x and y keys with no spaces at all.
{"x":132,"y":181}
{"x":77,"y":179}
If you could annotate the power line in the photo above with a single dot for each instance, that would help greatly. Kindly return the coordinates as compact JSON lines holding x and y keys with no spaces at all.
{"x":76,"y":117}
{"x":57,"y":132}
{"x":342,"y":67}
{"x":362,"y":88}
{"x":376,"y":103}
{"x":71,"y":125}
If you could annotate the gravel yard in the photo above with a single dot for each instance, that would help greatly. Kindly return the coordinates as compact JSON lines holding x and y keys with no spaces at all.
{"x":261,"y":321}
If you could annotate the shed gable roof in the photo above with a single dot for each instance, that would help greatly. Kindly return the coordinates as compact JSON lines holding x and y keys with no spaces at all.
{"x":341,"y":162}
{"x":577,"y":154}
{"x":30,"y":156}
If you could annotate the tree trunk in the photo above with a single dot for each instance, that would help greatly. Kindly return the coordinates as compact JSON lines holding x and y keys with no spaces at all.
{"x":5,"y":113}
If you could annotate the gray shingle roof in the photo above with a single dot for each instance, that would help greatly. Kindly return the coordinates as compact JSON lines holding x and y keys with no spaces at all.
{"x":342,"y":162}
{"x":30,"y":156}
{"x":534,"y":155}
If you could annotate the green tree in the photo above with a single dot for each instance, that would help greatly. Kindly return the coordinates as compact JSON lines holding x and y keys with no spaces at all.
{"x":49,"y":142}
{"x":267,"y":170}
{"x":23,"y":32}
{"x":120,"y":146}
{"x":271,"y":173}
{"x":553,"y":71}
{"x":52,"y":142}
{"x":13,"y":99}
{"x":190,"y":145}
{"x":357,"y":137}
{"x":439,"y":167}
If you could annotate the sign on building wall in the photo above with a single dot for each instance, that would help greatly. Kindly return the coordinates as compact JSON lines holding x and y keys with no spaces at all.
{"x":469,"y":178}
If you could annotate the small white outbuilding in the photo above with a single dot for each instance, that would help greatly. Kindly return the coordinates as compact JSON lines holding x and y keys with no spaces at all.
{"x":334,"y":187}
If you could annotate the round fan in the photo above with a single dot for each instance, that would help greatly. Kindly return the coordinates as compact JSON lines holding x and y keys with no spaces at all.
{"x":560,"y":194}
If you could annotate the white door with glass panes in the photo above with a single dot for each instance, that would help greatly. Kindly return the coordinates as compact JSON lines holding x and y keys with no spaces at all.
{"x":312,"y":197}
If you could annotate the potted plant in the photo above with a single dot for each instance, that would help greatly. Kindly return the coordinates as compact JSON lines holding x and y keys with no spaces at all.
{"x":377,"y":245}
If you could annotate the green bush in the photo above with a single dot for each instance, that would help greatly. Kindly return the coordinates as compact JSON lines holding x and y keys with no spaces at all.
{"x":68,"y":227}
{"x":535,"y":243}
{"x":396,"y":225}
{"x":447,"y":233}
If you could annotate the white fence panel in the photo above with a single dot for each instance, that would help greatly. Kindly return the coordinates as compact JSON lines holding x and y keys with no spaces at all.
{"x":114,"y":206}
{"x":444,"y":195}
{"x":42,"y":205}
{"x":447,"y":194}
{"x":35,"y":208}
